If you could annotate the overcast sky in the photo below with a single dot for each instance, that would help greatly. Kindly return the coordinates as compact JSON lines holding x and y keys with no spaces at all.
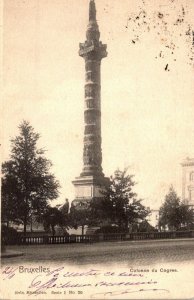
{"x":147,"y":86}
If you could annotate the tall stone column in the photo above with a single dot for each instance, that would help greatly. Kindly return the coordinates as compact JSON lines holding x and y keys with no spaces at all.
{"x":92,"y":50}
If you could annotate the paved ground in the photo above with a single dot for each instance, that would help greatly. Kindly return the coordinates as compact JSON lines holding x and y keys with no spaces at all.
{"x":167,"y":264}
{"x":130,"y":252}
{"x":11,"y":253}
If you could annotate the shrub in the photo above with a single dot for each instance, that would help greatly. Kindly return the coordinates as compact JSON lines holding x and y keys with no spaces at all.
{"x":108,"y":229}
{"x":9,"y":236}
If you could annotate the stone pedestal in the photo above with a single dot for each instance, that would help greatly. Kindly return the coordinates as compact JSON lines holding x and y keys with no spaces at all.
{"x":88,"y":188}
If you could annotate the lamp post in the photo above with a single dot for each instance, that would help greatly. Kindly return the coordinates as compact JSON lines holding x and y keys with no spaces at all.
{"x":114,"y":212}
{"x":126,"y":219}
{"x":52,"y":224}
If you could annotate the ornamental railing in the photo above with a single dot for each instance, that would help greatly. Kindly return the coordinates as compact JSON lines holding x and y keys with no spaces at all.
{"x":59,"y":239}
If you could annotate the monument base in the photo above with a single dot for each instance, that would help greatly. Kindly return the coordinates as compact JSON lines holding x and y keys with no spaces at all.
{"x":88,"y":188}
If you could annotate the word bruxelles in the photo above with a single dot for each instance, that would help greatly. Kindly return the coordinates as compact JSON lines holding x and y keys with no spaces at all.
{"x":39,"y":269}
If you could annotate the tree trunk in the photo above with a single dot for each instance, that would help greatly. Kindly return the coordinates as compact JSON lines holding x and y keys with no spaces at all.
{"x":120,"y":225}
{"x":188,"y":226}
{"x":25,"y":224}
{"x":31,"y":223}
{"x":82,"y":229}
{"x":53,"y":230}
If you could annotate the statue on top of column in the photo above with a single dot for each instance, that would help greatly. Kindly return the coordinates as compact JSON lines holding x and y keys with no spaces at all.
{"x":92,"y":11}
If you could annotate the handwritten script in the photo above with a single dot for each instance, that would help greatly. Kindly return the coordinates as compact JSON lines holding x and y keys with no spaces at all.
{"x":102,"y":283}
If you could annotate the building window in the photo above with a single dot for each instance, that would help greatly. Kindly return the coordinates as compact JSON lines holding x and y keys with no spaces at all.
{"x":192,"y":176}
{"x":192,"y":195}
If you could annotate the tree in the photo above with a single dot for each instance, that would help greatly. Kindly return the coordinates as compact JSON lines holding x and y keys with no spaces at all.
{"x":9,"y":195}
{"x":53,"y":217}
{"x":187,"y":216}
{"x":119,"y":203}
{"x":27,"y":184}
{"x":80,"y":216}
{"x":173,"y":213}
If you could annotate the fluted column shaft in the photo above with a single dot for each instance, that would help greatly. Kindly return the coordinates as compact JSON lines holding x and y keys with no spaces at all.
{"x":92,"y":152}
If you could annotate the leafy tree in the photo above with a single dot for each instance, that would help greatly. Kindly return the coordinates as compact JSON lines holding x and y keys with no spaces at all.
{"x":27,"y":184}
{"x":53,"y":217}
{"x":119,"y":203}
{"x":80,"y":215}
{"x":173,"y":213}
{"x":9,"y":194}
{"x":187,"y":216}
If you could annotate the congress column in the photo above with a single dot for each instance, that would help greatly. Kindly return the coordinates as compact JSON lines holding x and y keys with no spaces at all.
{"x":91,"y":179}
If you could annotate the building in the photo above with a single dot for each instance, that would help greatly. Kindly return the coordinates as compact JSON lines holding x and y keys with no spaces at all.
{"x":153,"y":218}
{"x":188,"y":181}
{"x":91,"y":181}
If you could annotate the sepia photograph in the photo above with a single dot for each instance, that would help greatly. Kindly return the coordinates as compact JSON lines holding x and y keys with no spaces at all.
{"x":97,"y":149}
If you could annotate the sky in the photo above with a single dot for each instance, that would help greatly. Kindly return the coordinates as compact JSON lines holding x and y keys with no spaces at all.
{"x":146,"y":88}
